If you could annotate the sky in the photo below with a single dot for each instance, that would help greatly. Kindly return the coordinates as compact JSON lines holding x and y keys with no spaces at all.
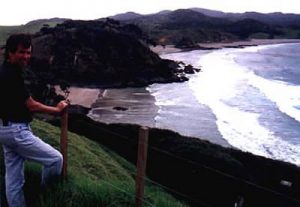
{"x":16,"y":12}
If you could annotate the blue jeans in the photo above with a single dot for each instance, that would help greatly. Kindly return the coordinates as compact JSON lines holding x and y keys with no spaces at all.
{"x":19,"y":144}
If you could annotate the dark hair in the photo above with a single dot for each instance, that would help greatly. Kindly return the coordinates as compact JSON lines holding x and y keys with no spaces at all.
{"x":14,"y":41}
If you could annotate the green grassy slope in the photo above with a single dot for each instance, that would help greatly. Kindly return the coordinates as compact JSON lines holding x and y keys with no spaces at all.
{"x":5,"y":31}
{"x":31,"y":27}
{"x":97,"y":177}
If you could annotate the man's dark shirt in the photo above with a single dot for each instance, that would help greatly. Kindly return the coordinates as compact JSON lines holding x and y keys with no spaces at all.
{"x":13,"y":94}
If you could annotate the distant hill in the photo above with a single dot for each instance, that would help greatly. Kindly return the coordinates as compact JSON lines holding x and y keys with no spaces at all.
{"x":203,"y":25}
{"x":276,"y":18}
{"x":52,"y":21}
{"x":5,"y":31}
{"x":126,"y":16}
{"x":31,"y":27}
{"x":132,"y":15}
{"x":208,"y":12}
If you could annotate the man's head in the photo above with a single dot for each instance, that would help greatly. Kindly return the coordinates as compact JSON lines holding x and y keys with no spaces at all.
{"x":18,"y":49}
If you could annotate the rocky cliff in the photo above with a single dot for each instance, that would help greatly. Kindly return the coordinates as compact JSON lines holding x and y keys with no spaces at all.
{"x":99,"y":53}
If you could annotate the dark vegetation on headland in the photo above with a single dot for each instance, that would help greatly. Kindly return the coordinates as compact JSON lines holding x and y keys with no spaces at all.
{"x":99,"y":53}
{"x":207,"y":173}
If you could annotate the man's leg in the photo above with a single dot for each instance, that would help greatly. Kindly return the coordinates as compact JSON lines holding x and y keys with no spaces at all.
{"x":14,"y":178}
{"x":33,"y":148}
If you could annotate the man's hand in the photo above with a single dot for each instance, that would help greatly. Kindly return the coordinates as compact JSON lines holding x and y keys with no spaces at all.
{"x":62,"y":105}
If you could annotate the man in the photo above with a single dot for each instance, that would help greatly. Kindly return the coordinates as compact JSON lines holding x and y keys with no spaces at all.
{"x":16,"y":108}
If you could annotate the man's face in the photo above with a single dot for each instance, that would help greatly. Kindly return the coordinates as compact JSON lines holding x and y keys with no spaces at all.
{"x":21,"y":57}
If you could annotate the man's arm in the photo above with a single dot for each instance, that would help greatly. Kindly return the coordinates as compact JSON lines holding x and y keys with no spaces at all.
{"x":35,"y":106}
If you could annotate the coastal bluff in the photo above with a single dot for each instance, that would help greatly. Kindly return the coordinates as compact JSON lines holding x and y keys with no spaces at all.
{"x":206,"y":172}
{"x":99,"y":53}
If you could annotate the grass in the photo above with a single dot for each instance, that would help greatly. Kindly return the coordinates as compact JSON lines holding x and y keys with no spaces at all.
{"x":5,"y":31}
{"x":97,"y":177}
{"x":31,"y":28}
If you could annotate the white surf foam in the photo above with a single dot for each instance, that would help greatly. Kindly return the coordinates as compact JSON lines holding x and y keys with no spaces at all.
{"x":286,"y":96}
{"x":221,"y":80}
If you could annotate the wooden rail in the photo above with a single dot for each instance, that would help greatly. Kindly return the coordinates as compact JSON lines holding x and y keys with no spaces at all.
{"x":64,"y":143}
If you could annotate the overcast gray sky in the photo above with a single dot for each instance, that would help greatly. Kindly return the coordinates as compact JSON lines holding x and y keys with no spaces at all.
{"x":16,"y":12}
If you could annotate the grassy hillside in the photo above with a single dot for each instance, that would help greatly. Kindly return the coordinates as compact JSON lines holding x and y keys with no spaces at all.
{"x":5,"y":31}
{"x":202,"y":171}
{"x":97,"y":177}
{"x":31,"y":27}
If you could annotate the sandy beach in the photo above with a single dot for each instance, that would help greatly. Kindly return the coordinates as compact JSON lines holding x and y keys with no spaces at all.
{"x":219,"y":45}
{"x":125,"y":105}
{"x":82,"y":96}
{"x":136,"y":105}
{"x":252,"y":42}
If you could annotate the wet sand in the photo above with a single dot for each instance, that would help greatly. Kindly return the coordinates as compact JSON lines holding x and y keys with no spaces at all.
{"x":127,"y":105}
{"x":82,"y":96}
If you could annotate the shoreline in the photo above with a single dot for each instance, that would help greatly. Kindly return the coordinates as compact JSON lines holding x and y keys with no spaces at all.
{"x":87,"y":96}
{"x":82,"y":96}
{"x":136,"y":105}
{"x":162,"y":50}
{"x":125,"y":105}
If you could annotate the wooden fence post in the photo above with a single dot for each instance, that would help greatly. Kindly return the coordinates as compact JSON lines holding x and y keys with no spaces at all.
{"x":239,"y":202}
{"x":64,"y":142}
{"x":141,"y":165}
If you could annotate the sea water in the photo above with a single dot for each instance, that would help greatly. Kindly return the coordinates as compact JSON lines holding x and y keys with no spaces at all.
{"x":248,"y":98}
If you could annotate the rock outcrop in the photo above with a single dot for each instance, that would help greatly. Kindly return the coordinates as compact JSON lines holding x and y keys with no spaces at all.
{"x":99,"y":53}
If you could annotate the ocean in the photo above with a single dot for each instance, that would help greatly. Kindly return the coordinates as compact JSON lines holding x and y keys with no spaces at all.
{"x":246,"y":98}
